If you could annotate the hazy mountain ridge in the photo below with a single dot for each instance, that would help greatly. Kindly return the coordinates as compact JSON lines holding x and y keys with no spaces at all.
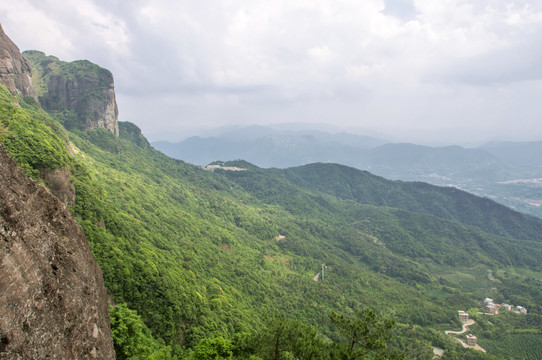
{"x":522,"y":153}
{"x":485,"y":171}
{"x":268,"y":147}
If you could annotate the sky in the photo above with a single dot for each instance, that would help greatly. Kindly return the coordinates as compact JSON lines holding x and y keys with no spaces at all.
{"x":448,"y":70}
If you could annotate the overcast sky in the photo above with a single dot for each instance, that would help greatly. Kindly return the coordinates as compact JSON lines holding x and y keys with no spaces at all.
{"x":466,"y":70}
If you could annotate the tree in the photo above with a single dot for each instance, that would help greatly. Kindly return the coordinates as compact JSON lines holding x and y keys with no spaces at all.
{"x":132,"y":339}
{"x":365,"y":336}
{"x":213,"y":349}
{"x":308,"y":343}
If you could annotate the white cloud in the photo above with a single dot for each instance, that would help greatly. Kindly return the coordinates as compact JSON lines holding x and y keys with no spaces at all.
{"x":377,"y":62}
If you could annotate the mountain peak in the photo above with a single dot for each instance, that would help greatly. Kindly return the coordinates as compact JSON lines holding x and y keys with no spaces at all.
{"x":81,"y":87}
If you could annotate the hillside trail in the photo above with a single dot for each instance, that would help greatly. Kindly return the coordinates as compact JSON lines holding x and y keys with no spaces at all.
{"x":468,"y":323}
{"x":465,"y":326}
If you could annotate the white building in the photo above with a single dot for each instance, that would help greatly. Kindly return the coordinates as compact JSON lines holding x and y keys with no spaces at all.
{"x":471,"y":340}
{"x":507,"y":307}
{"x":492,"y":309}
{"x":463,"y":316}
{"x":488,"y":301}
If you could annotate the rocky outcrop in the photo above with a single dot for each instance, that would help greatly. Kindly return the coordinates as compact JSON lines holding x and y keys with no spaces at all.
{"x":92,"y":98}
{"x":53,"y":303}
{"x":81,"y":87}
{"x":15,"y":72}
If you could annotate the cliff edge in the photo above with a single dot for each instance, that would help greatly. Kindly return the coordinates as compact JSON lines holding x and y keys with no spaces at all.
{"x":15,"y":72}
{"x":53,"y":302}
{"x":84,"y":89}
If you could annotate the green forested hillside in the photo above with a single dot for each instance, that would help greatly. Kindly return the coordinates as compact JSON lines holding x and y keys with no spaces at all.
{"x":448,"y":203}
{"x":201,"y":264}
{"x":507,"y":172}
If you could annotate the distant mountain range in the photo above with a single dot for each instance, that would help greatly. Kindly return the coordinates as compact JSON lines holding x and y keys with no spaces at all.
{"x":508,"y":172}
{"x":519,"y":153}
{"x":268,"y":146}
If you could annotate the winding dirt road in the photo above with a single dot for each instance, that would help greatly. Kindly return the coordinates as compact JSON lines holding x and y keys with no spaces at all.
{"x":465,"y":326}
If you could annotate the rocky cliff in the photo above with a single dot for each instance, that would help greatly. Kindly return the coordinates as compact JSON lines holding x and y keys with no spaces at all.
{"x":15,"y":71}
{"x":84,"y":89}
{"x":53,"y":303}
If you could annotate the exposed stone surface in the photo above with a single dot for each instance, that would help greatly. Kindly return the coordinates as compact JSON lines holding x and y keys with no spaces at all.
{"x":53,"y":302}
{"x":81,"y":87}
{"x":95,"y":104}
{"x":60,"y":184}
{"x":15,"y":72}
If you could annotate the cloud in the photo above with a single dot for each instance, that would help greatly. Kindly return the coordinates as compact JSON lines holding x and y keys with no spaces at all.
{"x":386,"y":63}
{"x":497,"y":45}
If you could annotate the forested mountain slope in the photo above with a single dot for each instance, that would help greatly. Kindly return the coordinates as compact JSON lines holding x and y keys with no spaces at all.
{"x":417,"y":207}
{"x":445,"y":202}
{"x":196,"y":253}
{"x":229,"y":263}
{"x":224,"y":248}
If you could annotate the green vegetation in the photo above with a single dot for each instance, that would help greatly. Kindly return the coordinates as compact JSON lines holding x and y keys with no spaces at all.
{"x":511,"y":335}
{"x":516,"y":346}
{"x":31,"y":137}
{"x":366,"y":335}
{"x":43,"y":67}
{"x":446,"y":203}
{"x":194,"y":259}
{"x":132,"y":338}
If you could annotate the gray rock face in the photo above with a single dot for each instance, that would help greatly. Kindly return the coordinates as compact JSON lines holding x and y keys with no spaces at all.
{"x":53,"y":302}
{"x":15,"y":72}
{"x":81,"y":87}
{"x":91,"y":97}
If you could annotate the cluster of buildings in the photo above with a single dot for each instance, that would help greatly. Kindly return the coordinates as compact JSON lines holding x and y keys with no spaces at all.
{"x":493,"y":308}
{"x":221,"y":167}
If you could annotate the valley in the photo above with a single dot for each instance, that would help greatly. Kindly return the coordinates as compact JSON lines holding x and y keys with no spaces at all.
{"x":221,"y":264}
